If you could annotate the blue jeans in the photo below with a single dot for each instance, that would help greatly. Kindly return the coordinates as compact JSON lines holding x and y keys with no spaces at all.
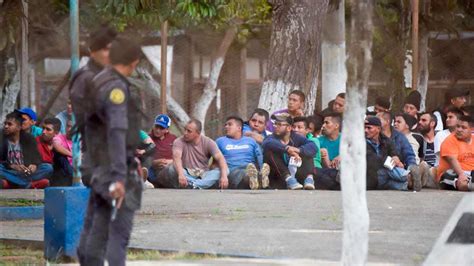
{"x":236,"y":176}
{"x":395,"y":179}
{"x":43,"y":171}
{"x":168,"y":178}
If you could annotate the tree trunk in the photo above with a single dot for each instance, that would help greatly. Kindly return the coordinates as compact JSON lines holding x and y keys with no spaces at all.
{"x":353,"y":144}
{"x":333,"y":59}
{"x":149,"y":84}
{"x":202,"y":105}
{"x":295,"y":49}
{"x":11,"y":94}
{"x":423,"y":72}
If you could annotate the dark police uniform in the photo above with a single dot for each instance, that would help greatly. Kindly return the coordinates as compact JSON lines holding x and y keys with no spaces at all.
{"x":80,"y":93}
{"x":111,"y":135}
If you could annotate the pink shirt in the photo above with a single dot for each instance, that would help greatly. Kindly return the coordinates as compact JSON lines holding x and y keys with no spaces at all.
{"x":62,"y":140}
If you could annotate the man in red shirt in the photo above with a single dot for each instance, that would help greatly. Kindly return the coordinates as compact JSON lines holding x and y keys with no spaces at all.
{"x":62,"y":171}
{"x":163,"y":155}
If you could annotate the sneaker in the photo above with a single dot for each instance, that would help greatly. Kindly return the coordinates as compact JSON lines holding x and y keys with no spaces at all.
{"x":39,"y":184}
{"x":415,"y":178}
{"x":264,"y":172}
{"x":292,"y":183}
{"x":252,"y":173}
{"x":309,"y":183}
{"x":448,"y":180}
{"x":425,"y":173}
{"x":145,"y":173}
{"x":147,"y":185}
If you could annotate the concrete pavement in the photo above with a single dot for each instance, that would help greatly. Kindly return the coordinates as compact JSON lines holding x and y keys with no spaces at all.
{"x":276,"y":224}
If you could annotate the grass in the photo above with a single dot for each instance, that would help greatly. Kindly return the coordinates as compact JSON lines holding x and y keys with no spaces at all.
{"x":20,"y":202}
{"x":20,"y":255}
{"x":14,"y":255}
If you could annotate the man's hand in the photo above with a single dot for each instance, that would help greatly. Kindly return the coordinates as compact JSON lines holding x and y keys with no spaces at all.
{"x":324,"y":153}
{"x":117,"y":190}
{"x":160,"y":163}
{"x":397,"y":162}
{"x":183,"y":182}
{"x":292,"y":150}
{"x":336,"y":162}
{"x":32,"y":168}
{"x":223,"y":182}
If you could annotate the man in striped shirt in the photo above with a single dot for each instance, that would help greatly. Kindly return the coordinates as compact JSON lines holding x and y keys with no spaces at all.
{"x":426,"y":126}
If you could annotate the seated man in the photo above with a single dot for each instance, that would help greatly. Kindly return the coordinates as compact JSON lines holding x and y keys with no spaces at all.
{"x":61,"y":147}
{"x":301,"y":127}
{"x":324,"y":178}
{"x":339,"y":103}
{"x":243,"y":156}
{"x":163,"y":143}
{"x":20,"y":165}
{"x":190,"y":167}
{"x":452,"y":117}
{"x":382,"y":175}
{"x":284,"y":150}
{"x":255,"y":127}
{"x":402,"y":147}
{"x":330,"y":140}
{"x":457,"y":157}
{"x":412,"y":104}
{"x":296,"y":100}
{"x":29,"y":122}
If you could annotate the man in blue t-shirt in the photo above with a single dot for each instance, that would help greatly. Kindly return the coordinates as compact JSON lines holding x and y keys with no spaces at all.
{"x":330,"y":140}
{"x":243,"y":156}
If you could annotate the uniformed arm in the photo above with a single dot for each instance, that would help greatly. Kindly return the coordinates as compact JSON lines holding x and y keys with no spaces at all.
{"x":115,"y":110}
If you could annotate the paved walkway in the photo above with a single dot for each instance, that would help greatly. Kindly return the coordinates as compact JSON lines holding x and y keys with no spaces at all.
{"x":276,"y":224}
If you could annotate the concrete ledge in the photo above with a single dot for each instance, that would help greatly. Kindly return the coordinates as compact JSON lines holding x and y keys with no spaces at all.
{"x":444,"y":253}
{"x":21,"y":213}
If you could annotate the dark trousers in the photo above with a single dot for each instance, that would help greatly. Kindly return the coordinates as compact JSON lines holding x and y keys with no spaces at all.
{"x":102,"y":238}
{"x":62,"y":175}
{"x":326,"y":179}
{"x":279,"y":169}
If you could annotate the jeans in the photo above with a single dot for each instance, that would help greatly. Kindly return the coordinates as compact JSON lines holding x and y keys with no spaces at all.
{"x":168,"y":178}
{"x":395,"y":179}
{"x":238,"y":178}
{"x":279,"y":169}
{"x":43,"y":171}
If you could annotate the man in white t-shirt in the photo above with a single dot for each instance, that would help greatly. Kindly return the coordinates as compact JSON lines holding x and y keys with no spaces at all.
{"x":453,"y":114}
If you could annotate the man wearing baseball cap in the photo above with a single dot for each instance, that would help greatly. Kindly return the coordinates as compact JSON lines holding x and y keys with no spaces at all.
{"x":289,"y":155}
{"x":163,"y":155}
{"x":29,"y":122}
{"x":384,"y":169}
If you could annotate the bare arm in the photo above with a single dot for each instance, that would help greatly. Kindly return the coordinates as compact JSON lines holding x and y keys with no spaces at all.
{"x":256,"y":136}
{"x":224,"y":182}
{"x":178,"y":166}
{"x":60,"y":149}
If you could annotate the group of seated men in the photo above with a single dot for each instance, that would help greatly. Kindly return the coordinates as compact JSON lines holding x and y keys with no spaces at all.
{"x":289,"y":150}
{"x":32,"y":156}
{"x":408,"y":150}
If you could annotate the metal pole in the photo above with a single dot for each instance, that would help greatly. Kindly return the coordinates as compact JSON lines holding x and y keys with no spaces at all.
{"x":24,"y":57}
{"x":415,"y":11}
{"x":164,"y":60}
{"x":76,"y":146}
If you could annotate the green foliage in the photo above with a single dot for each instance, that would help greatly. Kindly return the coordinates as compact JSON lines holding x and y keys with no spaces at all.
{"x":218,"y":14}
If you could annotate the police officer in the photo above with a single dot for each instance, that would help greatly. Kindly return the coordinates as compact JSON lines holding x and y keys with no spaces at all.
{"x":115,"y":185}
{"x":80,"y":85}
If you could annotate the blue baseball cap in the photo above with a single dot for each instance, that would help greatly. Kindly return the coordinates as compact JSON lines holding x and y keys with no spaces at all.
{"x":163,"y":121}
{"x":29,"y":112}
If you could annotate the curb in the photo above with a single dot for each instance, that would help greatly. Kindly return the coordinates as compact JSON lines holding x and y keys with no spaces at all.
{"x":21,"y":213}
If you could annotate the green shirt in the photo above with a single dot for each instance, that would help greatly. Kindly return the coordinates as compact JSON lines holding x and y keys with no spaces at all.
{"x":143,"y":135}
{"x":317,"y":157}
{"x":36,"y":131}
